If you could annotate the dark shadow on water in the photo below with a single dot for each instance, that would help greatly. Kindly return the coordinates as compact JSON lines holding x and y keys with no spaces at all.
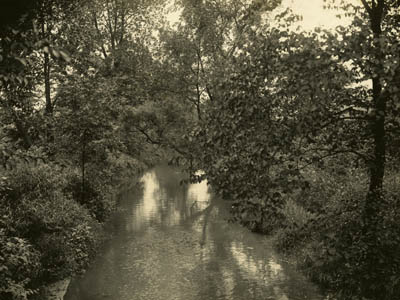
{"x":173,"y":241}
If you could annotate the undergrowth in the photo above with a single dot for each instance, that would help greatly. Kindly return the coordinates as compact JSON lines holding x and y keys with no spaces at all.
{"x":324,"y":233}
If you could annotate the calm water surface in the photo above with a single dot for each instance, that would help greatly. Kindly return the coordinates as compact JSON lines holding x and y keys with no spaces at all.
{"x":173,"y":241}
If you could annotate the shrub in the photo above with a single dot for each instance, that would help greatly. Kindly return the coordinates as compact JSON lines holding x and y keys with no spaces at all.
{"x":68,"y":252}
{"x":336,"y":249}
{"x":19,"y":264}
{"x":257,"y":214}
{"x":295,"y":227}
{"x":40,"y":212}
{"x":92,"y":196}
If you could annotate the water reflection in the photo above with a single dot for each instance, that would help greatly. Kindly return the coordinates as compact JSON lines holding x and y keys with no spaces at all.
{"x":172,"y":241}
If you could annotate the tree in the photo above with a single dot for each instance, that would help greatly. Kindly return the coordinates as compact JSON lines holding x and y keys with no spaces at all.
{"x":298,"y":100}
{"x":379,"y":26}
{"x":199,"y":50}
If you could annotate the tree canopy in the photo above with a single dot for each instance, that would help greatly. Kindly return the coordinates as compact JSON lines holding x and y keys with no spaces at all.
{"x":283,"y":122}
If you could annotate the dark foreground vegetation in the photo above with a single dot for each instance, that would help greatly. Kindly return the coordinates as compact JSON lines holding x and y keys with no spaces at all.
{"x":300,"y":130}
{"x":304,"y":140}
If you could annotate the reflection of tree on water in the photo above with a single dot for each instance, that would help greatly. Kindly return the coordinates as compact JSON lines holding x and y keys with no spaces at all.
{"x":207,"y":213}
{"x":184,"y":201}
{"x":230,"y":269}
{"x":196,"y":208}
{"x":174,"y":243}
{"x":249,"y":273}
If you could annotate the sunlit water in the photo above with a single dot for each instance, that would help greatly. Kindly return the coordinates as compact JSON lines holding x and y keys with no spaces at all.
{"x":173,"y":241}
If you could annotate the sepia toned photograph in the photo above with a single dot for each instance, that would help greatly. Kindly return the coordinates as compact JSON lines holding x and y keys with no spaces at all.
{"x":199,"y":149}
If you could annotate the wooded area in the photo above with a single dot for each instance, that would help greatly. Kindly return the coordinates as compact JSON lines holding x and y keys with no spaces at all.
{"x":299,"y":129}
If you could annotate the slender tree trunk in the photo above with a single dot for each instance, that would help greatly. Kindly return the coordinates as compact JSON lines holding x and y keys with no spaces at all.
{"x":46,"y":74}
{"x":377,"y":166}
{"x":47,"y":88}
{"x":198,"y":109}
{"x":375,"y":197}
{"x":198,"y":92}
{"x":46,"y":71}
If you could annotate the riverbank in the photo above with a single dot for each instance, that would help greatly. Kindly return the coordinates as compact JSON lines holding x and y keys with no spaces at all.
{"x":174,"y":241}
{"x":58,"y":289}
{"x":321,"y":230}
{"x":50,"y":229}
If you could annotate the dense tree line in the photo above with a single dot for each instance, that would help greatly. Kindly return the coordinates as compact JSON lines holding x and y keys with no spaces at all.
{"x":70,"y":72}
{"x":303,"y":139}
{"x":299,"y":129}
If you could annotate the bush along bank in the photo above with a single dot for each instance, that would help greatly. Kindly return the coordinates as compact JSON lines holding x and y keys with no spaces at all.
{"x":332,"y":245}
{"x":50,"y":228}
{"x":319,"y":227}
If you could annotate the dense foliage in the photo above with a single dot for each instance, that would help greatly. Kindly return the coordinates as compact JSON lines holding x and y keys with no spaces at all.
{"x":301,"y":137}
{"x":67,"y":80}
{"x":299,"y":129}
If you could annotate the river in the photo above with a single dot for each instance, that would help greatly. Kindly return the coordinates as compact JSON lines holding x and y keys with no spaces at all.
{"x":172,"y":241}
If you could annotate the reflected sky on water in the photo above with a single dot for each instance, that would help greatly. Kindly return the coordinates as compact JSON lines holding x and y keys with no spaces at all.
{"x":173,"y":241}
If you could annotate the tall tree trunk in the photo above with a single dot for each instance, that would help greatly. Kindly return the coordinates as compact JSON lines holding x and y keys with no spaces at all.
{"x":377,"y":165}
{"x":375,"y":197}
{"x":47,"y":88}
{"x":46,"y":72}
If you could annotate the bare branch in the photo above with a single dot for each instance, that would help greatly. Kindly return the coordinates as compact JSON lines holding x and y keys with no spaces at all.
{"x":96,"y":25}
